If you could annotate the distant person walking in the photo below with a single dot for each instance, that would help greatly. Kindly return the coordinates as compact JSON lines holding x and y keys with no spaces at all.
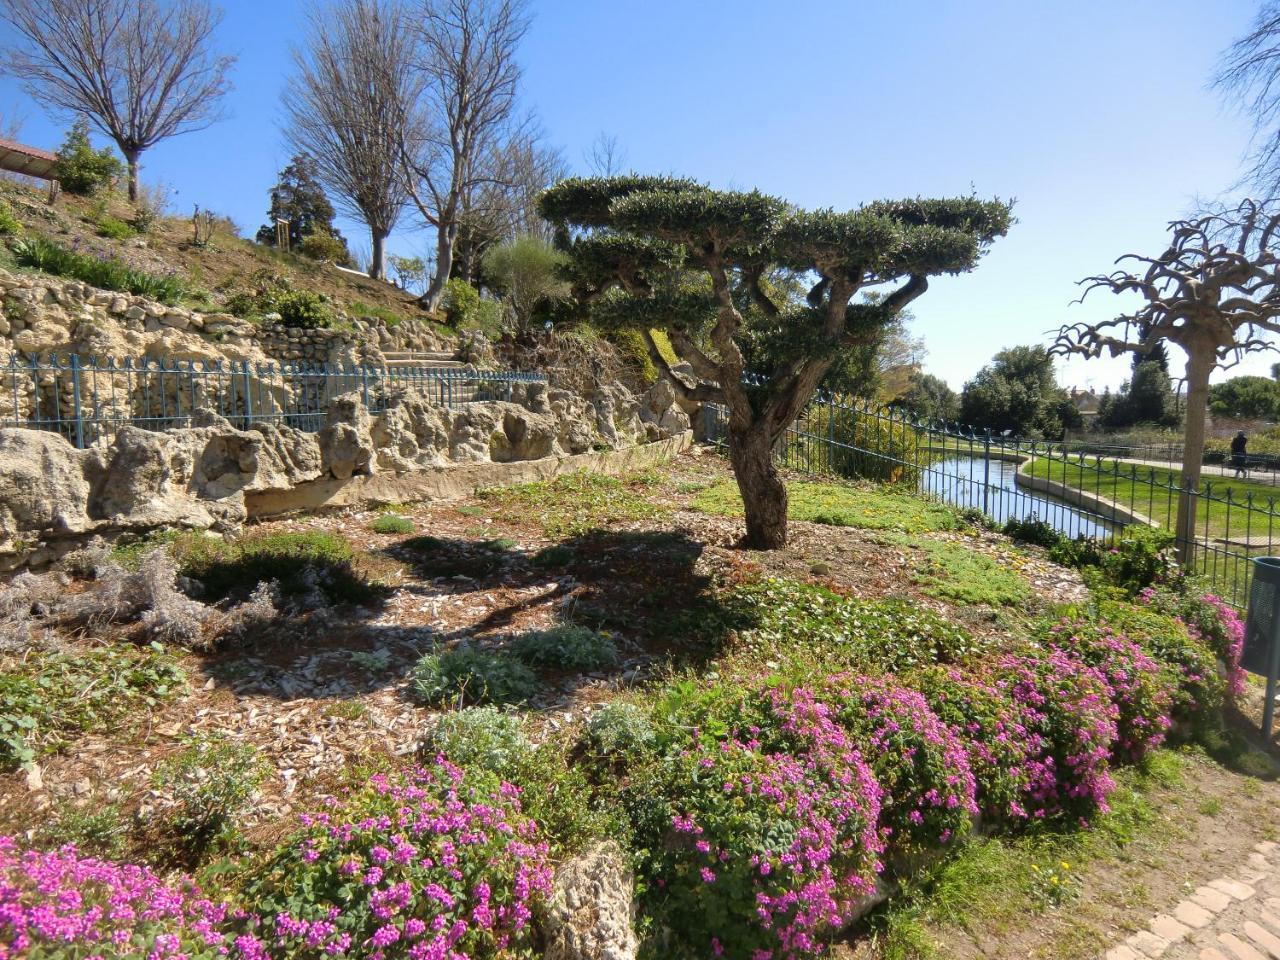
{"x":1239,"y":460}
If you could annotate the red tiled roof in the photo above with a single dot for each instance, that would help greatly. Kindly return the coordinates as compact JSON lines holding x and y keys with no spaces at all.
{"x":32,"y":161}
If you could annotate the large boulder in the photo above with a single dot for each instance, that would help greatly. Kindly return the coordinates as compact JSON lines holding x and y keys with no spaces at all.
{"x":411,"y":433}
{"x":346,"y":443}
{"x":43,"y":490}
{"x":592,"y":912}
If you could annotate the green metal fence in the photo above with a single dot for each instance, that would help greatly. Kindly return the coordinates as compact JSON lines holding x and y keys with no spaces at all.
{"x":1006,"y":477}
{"x":87,"y":400}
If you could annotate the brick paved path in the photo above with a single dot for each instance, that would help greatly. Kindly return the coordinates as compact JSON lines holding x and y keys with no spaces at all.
{"x":1236,"y":917}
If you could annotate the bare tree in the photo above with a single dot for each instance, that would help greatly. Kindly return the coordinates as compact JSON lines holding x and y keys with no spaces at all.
{"x":142,"y":71}
{"x":503,"y":203}
{"x":350,"y":103}
{"x":1216,"y":294}
{"x":605,"y":156}
{"x":469,"y":74}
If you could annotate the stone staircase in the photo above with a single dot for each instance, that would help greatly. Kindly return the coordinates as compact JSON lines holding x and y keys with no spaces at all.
{"x":422,"y":359}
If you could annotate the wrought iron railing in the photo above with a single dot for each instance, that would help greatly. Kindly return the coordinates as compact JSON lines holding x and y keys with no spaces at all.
{"x":1006,"y":477}
{"x":88,"y":400}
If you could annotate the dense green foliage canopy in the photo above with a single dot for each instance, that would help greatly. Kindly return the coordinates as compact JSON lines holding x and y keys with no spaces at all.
{"x":1018,"y":393}
{"x":1147,"y":397}
{"x":299,"y":197}
{"x":1246,"y":398}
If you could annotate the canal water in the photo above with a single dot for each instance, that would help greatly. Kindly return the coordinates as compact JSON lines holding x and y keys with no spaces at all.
{"x":990,"y":486}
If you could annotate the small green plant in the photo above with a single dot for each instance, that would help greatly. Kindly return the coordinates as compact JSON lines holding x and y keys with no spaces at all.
{"x":210,"y":783}
{"x":842,"y":505}
{"x":81,"y":169}
{"x":553,"y":557}
{"x":391,"y":523}
{"x":97,"y":829}
{"x":371,"y":661}
{"x":620,"y":728}
{"x":113,"y":228}
{"x":954,"y":572}
{"x":566,"y":648}
{"x":484,"y":738}
{"x":10,"y":225}
{"x":466,"y":310}
{"x":461,"y":676}
{"x":1054,"y":884}
{"x":303,"y":309}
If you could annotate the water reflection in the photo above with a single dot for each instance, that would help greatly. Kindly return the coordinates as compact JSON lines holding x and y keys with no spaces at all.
{"x":990,"y":487}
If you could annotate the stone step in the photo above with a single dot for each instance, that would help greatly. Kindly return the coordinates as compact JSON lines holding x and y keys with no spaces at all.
{"x":424,"y":364}
{"x":419,"y":355}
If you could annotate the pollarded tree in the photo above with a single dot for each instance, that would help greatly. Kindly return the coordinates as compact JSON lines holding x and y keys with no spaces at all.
{"x":1215,"y":292}
{"x":679,"y":256}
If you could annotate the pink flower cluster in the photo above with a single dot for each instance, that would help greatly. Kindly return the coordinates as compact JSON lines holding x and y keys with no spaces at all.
{"x":1230,"y":631}
{"x":94,"y":908}
{"x":423,"y":866}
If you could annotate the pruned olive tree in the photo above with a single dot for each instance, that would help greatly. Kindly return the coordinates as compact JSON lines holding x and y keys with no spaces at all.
{"x":1215,"y":292}
{"x":676,"y":255}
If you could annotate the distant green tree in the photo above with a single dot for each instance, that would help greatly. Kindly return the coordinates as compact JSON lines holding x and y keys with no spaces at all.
{"x":929,"y":398}
{"x":81,"y":169}
{"x":1246,"y":398}
{"x":299,"y":197}
{"x":1147,"y":397}
{"x":1018,"y":392}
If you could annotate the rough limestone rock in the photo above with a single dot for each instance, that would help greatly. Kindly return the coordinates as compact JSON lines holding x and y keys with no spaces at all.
{"x":411,"y":433}
{"x":592,"y":914}
{"x":346,"y":443}
{"x":43,"y":490}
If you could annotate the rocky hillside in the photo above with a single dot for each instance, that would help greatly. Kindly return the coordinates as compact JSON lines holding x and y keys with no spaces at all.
{"x":222,"y":275}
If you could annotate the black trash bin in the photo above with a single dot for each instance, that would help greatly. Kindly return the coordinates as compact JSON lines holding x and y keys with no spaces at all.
{"x":1261,"y":640}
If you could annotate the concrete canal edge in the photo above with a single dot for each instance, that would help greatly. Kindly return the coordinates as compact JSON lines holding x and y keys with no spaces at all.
{"x":1103,"y":507}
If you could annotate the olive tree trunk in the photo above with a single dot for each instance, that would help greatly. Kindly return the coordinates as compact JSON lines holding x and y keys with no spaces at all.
{"x":764,"y":496}
{"x":1200,"y":363}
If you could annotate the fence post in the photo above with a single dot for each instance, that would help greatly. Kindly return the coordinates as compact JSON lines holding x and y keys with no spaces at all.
{"x":75,"y":400}
{"x":248,"y":395}
{"x":364,"y":384}
{"x":986,"y":472}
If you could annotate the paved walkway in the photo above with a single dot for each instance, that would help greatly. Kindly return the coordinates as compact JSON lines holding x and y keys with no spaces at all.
{"x":1236,"y":917}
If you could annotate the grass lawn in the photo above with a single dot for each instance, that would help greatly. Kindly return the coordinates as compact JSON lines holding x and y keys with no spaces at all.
{"x":1152,"y":491}
{"x":842,"y":505}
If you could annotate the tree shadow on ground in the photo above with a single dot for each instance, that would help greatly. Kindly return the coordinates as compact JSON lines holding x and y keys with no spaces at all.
{"x":644,"y":588}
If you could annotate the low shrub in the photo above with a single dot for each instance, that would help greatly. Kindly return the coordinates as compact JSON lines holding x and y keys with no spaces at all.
{"x":566,"y":648}
{"x":303,"y":309}
{"x":1213,"y":620}
{"x":991,"y":727}
{"x":1031,"y":529}
{"x":113,"y":228}
{"x":1140,"y":557}
{"x":98,"y":829}
{"x":205,"y":788}
{"x":748,"y":852}
{"x":787,"y":617}
{"x":620,"y":728}
{"x":324,"y":247}
{"x":47,"y":699}
{"x":465,"y":309}
{"x":466,"y":676}
{"x":391,"y":523}
{"x":481,"y":738}
{"x":1140,"y":690}
{"x":921,"y":764}
{"x":81,"y":169}
{"x":1188,"y":663}
{"x":10,"y":225}
{"x":62,"y":904}
{"x":1069,"y":721}
{"x":40,"y":253}
{"x":434,"y":863}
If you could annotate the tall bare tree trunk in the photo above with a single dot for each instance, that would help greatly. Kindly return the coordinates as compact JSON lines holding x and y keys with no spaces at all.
{"x":764,"y":496}
{"x":131,"y":158}
{"x":446,"y":236}
{"x":1200,"y":363}
{"x":378,"y":258}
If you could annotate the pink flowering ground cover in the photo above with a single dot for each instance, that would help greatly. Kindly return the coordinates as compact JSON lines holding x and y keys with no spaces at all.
{"x":433,"y":864}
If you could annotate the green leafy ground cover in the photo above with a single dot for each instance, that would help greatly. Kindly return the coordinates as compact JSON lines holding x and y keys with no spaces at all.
{"x":841,"y":505}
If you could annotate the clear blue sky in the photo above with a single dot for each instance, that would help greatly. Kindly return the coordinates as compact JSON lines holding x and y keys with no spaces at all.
{"x":1095,"y":115}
